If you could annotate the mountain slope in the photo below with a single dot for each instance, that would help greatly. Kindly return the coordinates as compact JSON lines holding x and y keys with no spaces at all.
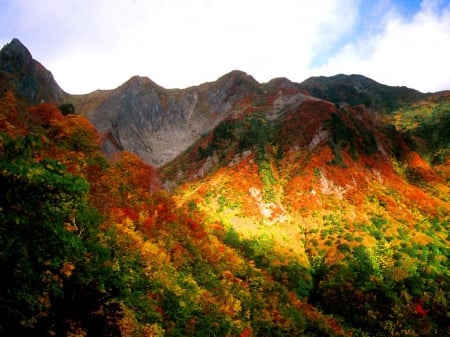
{"x":26,"y":77}
{"x":96,"y":248}
{"x":425,"y":125}
{"x":338,"y":192}
{"x":283,"y":214}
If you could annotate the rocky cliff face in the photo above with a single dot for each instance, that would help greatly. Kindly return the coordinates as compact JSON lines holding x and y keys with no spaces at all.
{"x":26,"y":77}
{"x":158,"y":124}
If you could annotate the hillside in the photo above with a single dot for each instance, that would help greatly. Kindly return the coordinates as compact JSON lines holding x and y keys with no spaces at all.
{"x":281,"y":210}
{"x":337,"y":192}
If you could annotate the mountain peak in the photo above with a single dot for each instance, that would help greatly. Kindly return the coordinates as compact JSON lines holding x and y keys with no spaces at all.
{"x":140,"y":82}
{"x":17,"y":45}
{"x":26,"y":77}
{"x":13,"y":55}
{"x":15,"y":42}
{"x":237,"y":77}
{"x":235,"y":73}
{"x":280,"y":82}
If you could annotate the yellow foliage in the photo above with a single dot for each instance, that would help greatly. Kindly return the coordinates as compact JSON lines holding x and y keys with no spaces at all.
{"x":128,"y":324}
{"x":67,"y":268}
{"x":152,"y":330}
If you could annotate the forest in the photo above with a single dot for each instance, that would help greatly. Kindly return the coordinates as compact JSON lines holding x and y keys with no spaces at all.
{"x":273,"y":241}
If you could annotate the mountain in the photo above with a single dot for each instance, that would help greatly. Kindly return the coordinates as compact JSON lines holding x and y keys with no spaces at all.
{"x":302,"y":181}
{"x":358,"y":89}
{"x":158,"y":124}
{"x":319,"y":208}
{"x":26,"y":77}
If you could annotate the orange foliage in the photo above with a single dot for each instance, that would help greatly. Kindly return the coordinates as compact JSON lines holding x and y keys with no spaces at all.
{"x":128,"y":183}
{"x":11,"y":121}
{"x":416,"y":161}
{"x":134,"y":172}
{"x":46,"y":115}
{"x":79,"y":127}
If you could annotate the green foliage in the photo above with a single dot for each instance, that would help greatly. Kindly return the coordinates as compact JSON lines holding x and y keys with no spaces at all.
{"x":426,"y":129}
{"x":37,"y":199}
{"x":342,"y":136}
{"x":364,"y":289}
{"x":67,"y":108}
{"x":224,"y":137}
{"x":232,"y":238}
{"x":257,"y":132}
{"x":260,"y":133}
{"x":351,"y":135}
{"x":60,"y":272}
{"x":295,"y":276}
{"x":267,"y":178}
{"x":344,"y":248}
{"x":14,"y":149}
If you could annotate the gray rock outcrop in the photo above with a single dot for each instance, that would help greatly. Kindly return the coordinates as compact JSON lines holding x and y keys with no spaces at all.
{"x":158,"y":124}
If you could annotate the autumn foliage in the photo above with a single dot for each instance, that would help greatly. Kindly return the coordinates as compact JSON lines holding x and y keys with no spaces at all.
{"x":304,"y":226}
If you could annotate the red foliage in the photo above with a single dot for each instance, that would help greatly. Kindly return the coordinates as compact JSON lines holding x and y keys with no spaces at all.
{"x":46,"y":115}
{"x":420,"y":310}
{"x":300,"y":127}
{"x":129,"y":213}
{"x":246,"y":332}
{"x":148,"y":222}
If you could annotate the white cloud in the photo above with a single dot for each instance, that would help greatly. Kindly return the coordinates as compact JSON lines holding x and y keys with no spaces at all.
{"x":177,"y":43}
{"x":412,"y":53}
{"x":100,"y":44}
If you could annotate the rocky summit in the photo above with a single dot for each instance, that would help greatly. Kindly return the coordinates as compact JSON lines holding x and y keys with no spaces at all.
{"x":29,"y":79}
{"x":158,"y":124}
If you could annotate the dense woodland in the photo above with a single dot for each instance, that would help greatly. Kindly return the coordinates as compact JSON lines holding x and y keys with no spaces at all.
{"x":274,"y":240}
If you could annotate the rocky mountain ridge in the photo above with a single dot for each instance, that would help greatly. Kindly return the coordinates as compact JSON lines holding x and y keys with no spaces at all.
{"x":158,"y":124}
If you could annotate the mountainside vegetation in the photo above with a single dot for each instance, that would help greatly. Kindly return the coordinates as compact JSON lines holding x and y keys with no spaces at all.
{"x":306,"y":225}
{"x":313,"y":209}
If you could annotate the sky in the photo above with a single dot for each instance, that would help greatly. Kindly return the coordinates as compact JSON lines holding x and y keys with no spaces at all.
{"x":89,"y":45}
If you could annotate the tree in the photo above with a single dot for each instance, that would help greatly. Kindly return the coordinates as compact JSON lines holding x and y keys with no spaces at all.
{"x":67,"y":108}
{"x":48,"y":235}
